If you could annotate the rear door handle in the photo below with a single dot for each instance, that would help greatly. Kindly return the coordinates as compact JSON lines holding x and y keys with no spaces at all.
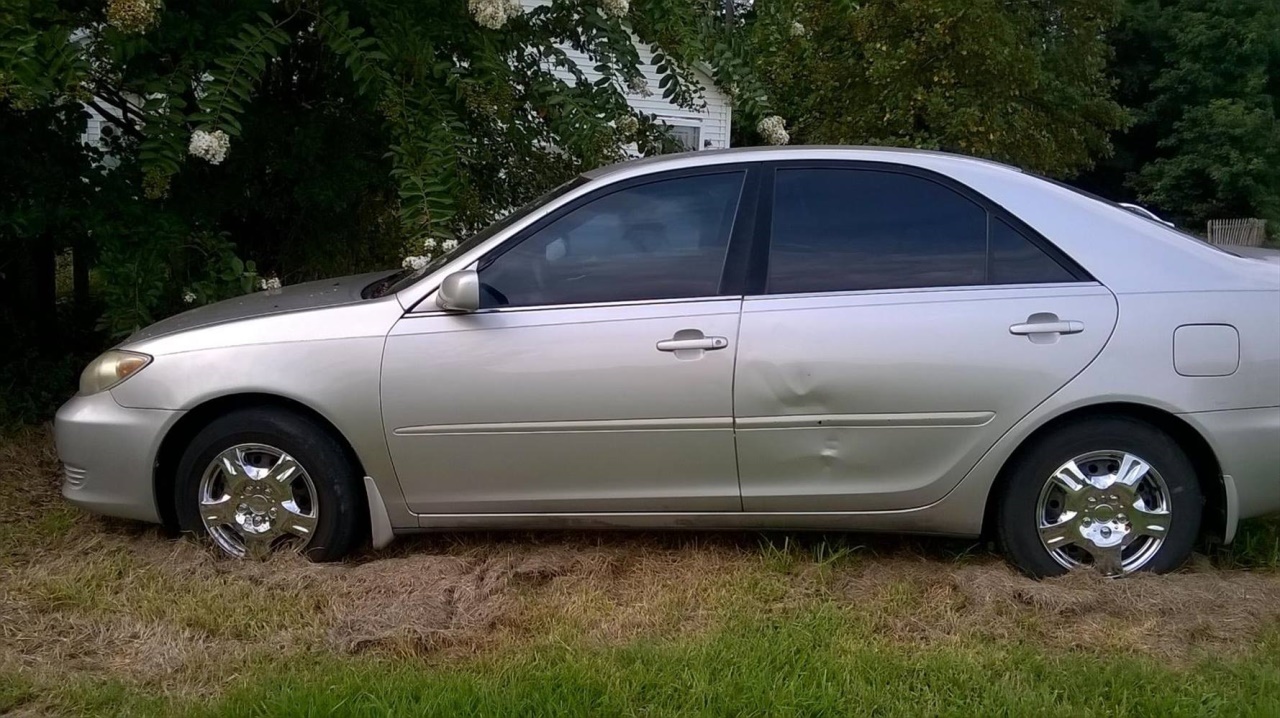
{"x":1070,"y":326}
{"x":705,"y":343}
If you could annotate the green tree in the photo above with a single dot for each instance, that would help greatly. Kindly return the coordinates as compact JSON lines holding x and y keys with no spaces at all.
{"x":323,"y":137}
{"x":1203,"y":79}
{"x":1023,"y":82}
{"x":296,"y":139}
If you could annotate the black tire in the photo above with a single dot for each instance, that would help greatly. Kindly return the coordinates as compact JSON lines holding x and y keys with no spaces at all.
{"x":1016,"y":515}
{"x":342,"y":516}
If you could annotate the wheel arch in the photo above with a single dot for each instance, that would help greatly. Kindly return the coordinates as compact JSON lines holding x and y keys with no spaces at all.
{"x":1207,"y":467}
{"x":185,"y":429}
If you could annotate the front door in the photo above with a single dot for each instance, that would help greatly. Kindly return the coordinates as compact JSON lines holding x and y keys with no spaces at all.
{"x":598,"y":374}
{"x":904,"y":326}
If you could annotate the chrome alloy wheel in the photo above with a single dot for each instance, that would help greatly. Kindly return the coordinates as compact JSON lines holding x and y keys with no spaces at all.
{"x":255,"y":498}
{"x":1108,"y":509}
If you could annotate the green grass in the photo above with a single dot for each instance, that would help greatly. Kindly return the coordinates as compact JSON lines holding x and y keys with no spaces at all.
{"x":1256,"y":546}
{"x":819,"y":661}
{"x":14,"y":691}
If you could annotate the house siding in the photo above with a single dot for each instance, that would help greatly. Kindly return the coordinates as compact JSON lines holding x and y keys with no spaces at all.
{"x":713,"y":120}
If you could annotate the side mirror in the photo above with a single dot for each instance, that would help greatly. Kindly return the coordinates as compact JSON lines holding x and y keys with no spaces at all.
{"x":459,"y":292}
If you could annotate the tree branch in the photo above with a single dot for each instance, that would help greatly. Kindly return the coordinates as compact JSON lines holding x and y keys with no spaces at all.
{"x":107,"y":115}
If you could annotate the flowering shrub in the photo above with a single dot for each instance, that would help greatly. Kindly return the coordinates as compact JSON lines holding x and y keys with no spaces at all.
{"x":365,"y":131}
{"x":209,"y":146}
{"x":216,"y":272}
{"x":627,"y":125}
{"x":773,"y":129}
{"x":133,"y":16}
{"x":493,"y":14}
{"x":638,"y":85}
{"x":615,"y":8}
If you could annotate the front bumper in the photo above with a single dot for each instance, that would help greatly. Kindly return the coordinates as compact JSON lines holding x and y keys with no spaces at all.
{"x":109,"y":453}
{"x":1247,"y":445}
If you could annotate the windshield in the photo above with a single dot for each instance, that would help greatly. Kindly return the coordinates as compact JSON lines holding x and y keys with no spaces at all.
{"x":407,"y":277}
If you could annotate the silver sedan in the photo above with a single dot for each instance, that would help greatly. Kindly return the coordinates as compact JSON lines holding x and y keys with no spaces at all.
{"x":799,"y":338}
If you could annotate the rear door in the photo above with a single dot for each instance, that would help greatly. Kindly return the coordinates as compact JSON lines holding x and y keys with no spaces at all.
{"x":900,"y":325}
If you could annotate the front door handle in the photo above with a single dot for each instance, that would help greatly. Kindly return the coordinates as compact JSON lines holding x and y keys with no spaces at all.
{"x":1060,"y":327}
{"x":703,"y":343}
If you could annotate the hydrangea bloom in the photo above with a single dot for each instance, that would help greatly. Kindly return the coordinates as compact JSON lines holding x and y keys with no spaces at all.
{"x":415,"y":263}
{"x":133,"y":16}
{"x":189,"y":298}
{"x":616,"y":8}
{"x":210,"y":146}
{"x":638,"y":85}
{"x":271,"y":284}
{"x":429,"y":244}
{"x":627,"y":125}
{"x":798,"y":30}
{"x":493,"y":14}
{"x":774,"y":130}
{"x":449,"y":245}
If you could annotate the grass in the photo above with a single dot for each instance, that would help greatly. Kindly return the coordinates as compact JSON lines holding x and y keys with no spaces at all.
{"x":109,"y":618}
{"x":816,"y":661}
{"x":1256,"y":545}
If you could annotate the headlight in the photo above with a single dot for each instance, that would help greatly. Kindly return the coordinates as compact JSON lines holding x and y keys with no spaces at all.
{"x":110,"y":369}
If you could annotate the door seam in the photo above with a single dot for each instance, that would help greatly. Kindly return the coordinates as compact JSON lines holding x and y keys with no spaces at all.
{"x":733,"y":402}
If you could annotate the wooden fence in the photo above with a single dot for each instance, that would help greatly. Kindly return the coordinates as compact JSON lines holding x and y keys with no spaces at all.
{"x":1238,"y":232}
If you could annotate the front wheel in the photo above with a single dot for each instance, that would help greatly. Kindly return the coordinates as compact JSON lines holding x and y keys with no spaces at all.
{"x":258,"y":481}
{"x":1115,"y":494}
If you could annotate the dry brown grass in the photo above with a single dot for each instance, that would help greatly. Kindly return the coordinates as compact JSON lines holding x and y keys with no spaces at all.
{"x":87,"y":597}
{"x":1175,"y":617}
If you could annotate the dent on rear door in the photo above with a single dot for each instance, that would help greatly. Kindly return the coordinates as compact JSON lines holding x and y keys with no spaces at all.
{"x":885,"y":400}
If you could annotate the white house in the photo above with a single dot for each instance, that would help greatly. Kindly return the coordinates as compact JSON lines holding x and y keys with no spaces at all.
{"x":707,"y":129}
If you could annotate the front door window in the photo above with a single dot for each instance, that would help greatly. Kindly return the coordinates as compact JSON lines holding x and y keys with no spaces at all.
{"x":660,"y":240}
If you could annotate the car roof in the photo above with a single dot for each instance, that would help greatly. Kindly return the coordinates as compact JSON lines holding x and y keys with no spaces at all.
{"x":1114,"y":244}
{"x":701,"y":158}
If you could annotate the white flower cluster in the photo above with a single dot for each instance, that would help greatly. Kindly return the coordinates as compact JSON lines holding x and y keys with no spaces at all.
{"x":627,"y":125}
{"x":189,"y":298}
{"x":210,"y":146}
{"x":798,"y":30}
{"x":774,"y":130}
{"x":616,"y":8}
{"x":133,"y":16}
{"x":638,"y":85}
{"x":270,"y":284}
{"x":429,"y":246}
{"x":493,"y":14}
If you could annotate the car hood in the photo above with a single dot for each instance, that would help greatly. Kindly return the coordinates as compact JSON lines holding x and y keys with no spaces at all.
{"x":295,"y":298}
{"x":1263,"y":253}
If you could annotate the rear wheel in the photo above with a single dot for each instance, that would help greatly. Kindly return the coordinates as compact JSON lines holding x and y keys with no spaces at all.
{"x":258,"y":481}
{"x":1113,"y":493}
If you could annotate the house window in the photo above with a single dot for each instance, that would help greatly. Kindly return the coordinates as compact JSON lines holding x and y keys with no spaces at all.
{"x":689,"y":136}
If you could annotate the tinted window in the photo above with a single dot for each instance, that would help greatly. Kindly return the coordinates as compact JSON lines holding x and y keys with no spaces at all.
{"x":837,"y":229}
{"x":661,"y":240}
{"x":1016,"y":260}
